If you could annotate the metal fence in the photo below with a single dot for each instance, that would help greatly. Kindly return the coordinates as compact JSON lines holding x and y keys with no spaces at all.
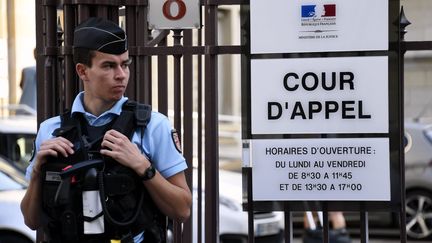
{"x":58,"y":83}
{"x":194,"y":65}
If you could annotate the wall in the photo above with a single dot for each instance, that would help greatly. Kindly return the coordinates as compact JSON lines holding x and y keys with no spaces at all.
{"x":17,"y":41}
{"x":3,"y":53}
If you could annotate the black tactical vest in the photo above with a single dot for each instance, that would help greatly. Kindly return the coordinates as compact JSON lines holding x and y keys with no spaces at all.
{"x":127,"y":207}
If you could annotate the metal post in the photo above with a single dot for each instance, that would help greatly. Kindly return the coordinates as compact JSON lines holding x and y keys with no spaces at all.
{"x":325,"y":222}
{"x":39,"y":69}
{"x":200,"y":142}
{"x":177,"y":82}
{"x":403,"y":23}
{"x":177,"y":108}
{"x":71,"y":79}
{"x":136,"y":65}
{"x":364,"y":226}
{"x":60,"y":81}
{"x":188,"y":124}
{"x":288,"y":231}
{"x":51,"y":108}
{"x":211,"y":125}
{"x":39,"y":78}
{"x":250,"y":205}
{"x":162,"y":64}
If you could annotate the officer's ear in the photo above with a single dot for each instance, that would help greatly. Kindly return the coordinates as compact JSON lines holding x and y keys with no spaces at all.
{"x":81,"y":70}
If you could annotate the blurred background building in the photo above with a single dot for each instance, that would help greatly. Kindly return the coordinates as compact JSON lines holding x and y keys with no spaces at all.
{"x":418,"y":71}
{"x":17,"y":41}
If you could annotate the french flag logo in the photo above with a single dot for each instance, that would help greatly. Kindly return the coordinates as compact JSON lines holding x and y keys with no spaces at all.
{"x":308,"y":11}
{"x":329,"y":10}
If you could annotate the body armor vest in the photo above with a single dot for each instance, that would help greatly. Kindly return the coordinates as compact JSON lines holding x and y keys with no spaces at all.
{"x":125,"y":207}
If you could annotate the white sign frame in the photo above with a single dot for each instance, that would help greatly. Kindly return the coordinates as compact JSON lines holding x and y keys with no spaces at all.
{"x":179,"y":14}
{"x":370,"y":92}
{"x":354,"y":169}
{"x":281,"y":26}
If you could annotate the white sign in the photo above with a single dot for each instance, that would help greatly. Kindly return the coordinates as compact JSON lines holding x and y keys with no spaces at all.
{"x":283,"y":26}
{"x":319,"y":95}
{"x":174,"y":14}
{"x":351,"y":169}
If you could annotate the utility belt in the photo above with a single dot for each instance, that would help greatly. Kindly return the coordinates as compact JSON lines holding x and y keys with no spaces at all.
{"x":95,"y":201}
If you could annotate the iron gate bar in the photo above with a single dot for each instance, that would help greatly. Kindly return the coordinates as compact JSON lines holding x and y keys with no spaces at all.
{"x":48,"y":2}
{"x":188,"y":123}
{"x":249,"y":205}
{"x":364,"y":227}
{"x":42,"y":113}
{"x":82,"y":13}
{"x":147,"y":89}
{"x":59,"y":86}
{"x":416,"y":45}
{"x":134,"y":2}
{"x":211,"y":128}
{"x":177,"y":36}
{"x":103,"y":11}
{"x":72,"y":87}
{"x":162,"y":61}
{"x":288,"y":231}
{"x":99,"y":3}
{"x":179,"y":50}
{"x":200,"y":138}
{"x":325,"y":224}
{"x":224,"y":2}
{"x":51,"y":58}
{"x":130,"y":19}
{"x":162,"y":35}
{"x":403,"y":23}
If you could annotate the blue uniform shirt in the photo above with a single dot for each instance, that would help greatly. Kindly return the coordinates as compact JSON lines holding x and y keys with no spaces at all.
{"x":157,"y":144}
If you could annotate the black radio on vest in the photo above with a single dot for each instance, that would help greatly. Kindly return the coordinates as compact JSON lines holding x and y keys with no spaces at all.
{"x":90,"y":198}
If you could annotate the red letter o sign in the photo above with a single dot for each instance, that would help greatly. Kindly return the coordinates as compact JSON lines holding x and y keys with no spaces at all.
{"x":166,"y":9}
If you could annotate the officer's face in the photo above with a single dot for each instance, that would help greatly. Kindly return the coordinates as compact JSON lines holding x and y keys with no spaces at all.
{"x":108,"y":76}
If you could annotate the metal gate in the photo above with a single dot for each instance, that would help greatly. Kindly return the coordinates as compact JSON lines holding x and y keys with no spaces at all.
{"x":192,"y":55}
{"x":58,"y":83}
{"x":397,"y":190}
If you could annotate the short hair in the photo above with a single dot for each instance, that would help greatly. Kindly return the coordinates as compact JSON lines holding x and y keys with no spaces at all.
{"x":83,"y":55}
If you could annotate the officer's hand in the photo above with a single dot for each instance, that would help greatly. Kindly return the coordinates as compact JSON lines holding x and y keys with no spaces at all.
{"x":117,"y":146}
{"x":52,"y":147}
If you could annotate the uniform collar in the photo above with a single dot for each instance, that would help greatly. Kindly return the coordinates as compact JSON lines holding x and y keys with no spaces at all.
{"x":78,"y":106}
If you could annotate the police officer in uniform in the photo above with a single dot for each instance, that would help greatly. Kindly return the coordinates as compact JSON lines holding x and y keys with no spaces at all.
{"x":105,"y":75}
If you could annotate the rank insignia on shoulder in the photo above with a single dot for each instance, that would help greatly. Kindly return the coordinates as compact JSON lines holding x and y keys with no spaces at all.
{"x":176,"y":140}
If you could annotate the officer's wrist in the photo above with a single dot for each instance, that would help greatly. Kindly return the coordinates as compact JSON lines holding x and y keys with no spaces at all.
{"x":35,"y":173}
{"x":146,"y":170}
{"x":148,"y":174}
{"x":142,"y":166}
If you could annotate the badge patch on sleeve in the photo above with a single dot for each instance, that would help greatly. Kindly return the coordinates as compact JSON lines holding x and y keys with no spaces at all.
{"x":176,"y":140}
